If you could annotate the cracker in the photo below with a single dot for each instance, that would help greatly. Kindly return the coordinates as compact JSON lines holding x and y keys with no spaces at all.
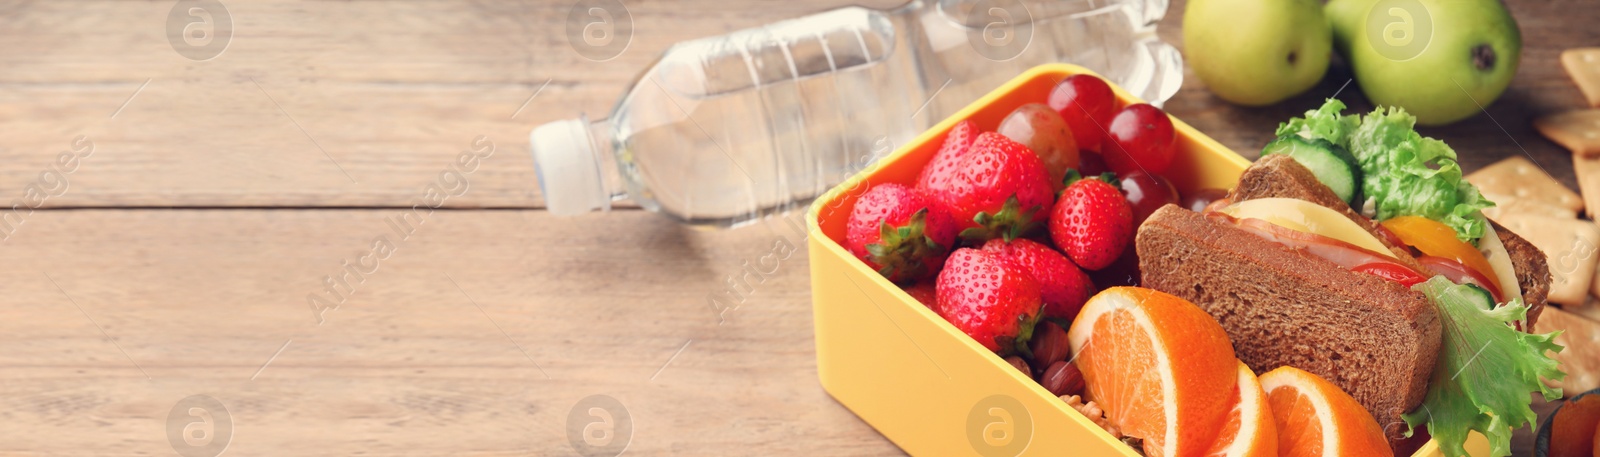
{"x":1580,"y":356}
{"x":1578,"y":131}
{"x":1520,"y":178}
{"x":1588,"y":171}
{"x":1570,"y":246}
{"x":1590,"y":311}
{"x":1506,"y":206}
{"x":1583,"y":65}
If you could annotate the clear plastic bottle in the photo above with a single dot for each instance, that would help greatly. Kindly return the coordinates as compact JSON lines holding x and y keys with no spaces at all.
{"x":724,"y":130}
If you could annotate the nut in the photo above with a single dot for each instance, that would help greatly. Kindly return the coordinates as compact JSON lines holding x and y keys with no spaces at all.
{"x":1062,"y":378}
{"x":1049,"y":345}
{"x":1019,"y":364}
{"x":1094,"y":413}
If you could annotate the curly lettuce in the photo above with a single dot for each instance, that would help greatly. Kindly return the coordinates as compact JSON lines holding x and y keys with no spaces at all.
{"x":1326,"y":123}
{"x":1485,"y":370}
{"x":1406,"y":174}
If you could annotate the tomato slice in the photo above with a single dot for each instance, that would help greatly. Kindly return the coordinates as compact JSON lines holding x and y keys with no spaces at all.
{"x":1391,"y":271}
{"x":1436,"y":239}
{"x":1461,"y":274}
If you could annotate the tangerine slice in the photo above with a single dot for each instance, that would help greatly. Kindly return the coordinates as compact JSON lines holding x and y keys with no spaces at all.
{"x":1249,"y":430}
{"x":1317,"y":419}
{"x":1161,"y":368}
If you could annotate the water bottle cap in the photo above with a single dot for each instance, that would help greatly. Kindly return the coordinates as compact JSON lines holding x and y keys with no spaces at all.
{"x":568,"y":169}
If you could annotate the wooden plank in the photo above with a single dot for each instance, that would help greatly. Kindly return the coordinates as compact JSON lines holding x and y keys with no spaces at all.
{"x":387,"y":91}
{"x":411,"y":364}
{"x":391,"y":90}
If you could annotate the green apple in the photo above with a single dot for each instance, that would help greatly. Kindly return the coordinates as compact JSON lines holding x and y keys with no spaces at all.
{"x":1441,"y":60}
{"x":1346,"y":17}
{"x":1257,"y":52}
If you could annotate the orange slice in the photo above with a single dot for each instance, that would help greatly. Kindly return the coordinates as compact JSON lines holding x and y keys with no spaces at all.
{"x":1316,"y":419}
{"x":1161,"y":368}
{"x":1249,"y":430}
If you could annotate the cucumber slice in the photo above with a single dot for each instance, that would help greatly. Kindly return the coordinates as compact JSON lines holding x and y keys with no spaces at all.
{"x":1331,"y":164}
{"x":1481,"y":297}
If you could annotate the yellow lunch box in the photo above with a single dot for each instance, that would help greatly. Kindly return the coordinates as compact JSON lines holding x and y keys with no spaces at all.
{"x":918,"y":380}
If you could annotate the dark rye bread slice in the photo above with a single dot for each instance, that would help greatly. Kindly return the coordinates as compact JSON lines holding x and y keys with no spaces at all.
{"x":1280,"y":176}
{"x":1372,"y":337}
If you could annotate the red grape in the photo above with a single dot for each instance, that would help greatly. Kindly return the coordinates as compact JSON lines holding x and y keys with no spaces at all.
{"x":1086,"y":103}
{"x":1090,"y":164}
{"x":1041,"y":129}
{"x":1142,"y":138}
{"x":1146,"y":193}
{"x":1197,"y":201}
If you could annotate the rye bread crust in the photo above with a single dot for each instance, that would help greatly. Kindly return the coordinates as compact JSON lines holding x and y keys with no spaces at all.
{"x":1281,"y":176}
{"x":1372,"y":337}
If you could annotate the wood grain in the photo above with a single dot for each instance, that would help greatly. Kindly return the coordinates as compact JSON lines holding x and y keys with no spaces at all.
{"x":411,"y":364}
{"x":387,"y":91}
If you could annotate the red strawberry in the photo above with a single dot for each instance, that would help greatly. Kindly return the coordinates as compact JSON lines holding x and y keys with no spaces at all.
{"x":935,"y":178}
{"x":897,"y":231}
{"x":989,"y":299}
{"x":1000,"y":189}
{"x":1062,"y":286}
{"x":1092,"y":223}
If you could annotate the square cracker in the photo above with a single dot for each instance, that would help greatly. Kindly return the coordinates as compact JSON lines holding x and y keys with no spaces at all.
{"x":1508,"y":206}
{"x":1590,"y":311}
{"x":1520,"y":178}
{"x":1570,"y":245}
{"x":1588,"y":171}
{"x":1580,"y":356}
{"x":1578,"y":131}
{"x":1583,"y":65}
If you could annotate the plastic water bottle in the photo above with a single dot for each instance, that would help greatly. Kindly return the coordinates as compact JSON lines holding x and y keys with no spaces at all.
{"x":722,"y":131}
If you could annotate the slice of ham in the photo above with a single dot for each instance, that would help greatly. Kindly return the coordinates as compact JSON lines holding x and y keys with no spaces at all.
{"x":1339,"y":252}
{"x":1459,"y":273}
{"x":1351,"y":256}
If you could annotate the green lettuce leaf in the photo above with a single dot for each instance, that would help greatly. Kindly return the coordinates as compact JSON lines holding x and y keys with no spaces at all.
{"x":1406,"y":174}
{"x":1485,"y":372}
{"x":1323,"y":123}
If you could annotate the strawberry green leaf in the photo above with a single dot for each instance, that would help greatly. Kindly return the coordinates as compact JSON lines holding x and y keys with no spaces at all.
{"x":1072,"y":176}
{"x":902,"y":252}
{"x":1485,"y":370}
{"x":1109,"y":178}
{"x":1009,"y":223}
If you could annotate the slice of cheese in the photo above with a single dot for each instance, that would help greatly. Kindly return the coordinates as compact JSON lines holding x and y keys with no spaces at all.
{"x":1304,"y":216}
{"x":1500,"y":260}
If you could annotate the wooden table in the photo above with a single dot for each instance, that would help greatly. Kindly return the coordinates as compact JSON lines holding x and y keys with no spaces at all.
{"x":178,"y":258}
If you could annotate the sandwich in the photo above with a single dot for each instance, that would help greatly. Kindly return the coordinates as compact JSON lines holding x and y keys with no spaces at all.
{"x":1354,"y":250}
